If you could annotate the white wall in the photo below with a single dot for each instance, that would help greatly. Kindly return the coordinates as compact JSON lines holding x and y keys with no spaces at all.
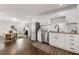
{"x":5,"y":26}
{"x":6,"y":21}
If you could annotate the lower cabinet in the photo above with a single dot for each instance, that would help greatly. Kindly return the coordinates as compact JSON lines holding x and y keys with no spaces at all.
{"x":33,"y":36}
{"x":39,"y":36}
{"x":56,"y":39}
{"x":64,"y":41}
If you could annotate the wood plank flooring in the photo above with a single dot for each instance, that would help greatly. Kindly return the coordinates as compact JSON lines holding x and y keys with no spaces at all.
{"x":51,"y":49}
{"x":22,"y":46}
{"x":25,"y":46}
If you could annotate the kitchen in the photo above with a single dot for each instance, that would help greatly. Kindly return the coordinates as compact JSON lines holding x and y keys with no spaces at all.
{"x":52,"y":25}
{"x":60,"y":28}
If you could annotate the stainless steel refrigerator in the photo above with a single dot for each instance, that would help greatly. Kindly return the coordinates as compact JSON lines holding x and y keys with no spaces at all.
{"x":35,"y":26}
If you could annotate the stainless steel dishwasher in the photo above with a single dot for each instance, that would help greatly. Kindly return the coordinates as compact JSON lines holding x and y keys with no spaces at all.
{"x":45,"y":37}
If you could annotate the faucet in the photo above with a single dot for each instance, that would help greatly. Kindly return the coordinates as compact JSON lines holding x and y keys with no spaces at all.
{"x":57,"y":26}
{"x":74,"y":30}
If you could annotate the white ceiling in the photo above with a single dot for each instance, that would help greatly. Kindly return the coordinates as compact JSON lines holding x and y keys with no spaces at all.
{"x":29,"y":8}
{"x":22,"y":10}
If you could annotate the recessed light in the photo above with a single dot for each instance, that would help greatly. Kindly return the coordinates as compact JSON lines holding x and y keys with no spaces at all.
{"x":60,"y":4}
{"x":14,"y":19}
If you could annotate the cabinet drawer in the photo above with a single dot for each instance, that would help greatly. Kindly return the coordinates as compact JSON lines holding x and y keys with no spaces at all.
{"x":75,"y":50}
{"x":73,"y":39}
{"x":56,"y":37}
{"x":72,"y":43}
{"x":73,"y":36}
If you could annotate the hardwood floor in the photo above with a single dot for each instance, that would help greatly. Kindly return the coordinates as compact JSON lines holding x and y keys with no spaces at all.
{"x":25,"y":46}
{"x":51,"y":49}
{"x":22,"y":46}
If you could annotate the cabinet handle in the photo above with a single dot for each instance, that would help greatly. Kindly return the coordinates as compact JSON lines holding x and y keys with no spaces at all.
{"x":72,"y":43}
{"x":72,"y":36}
{"x":72,"y":48}
{"x":72,"y":39}
{"x":55,"y":37}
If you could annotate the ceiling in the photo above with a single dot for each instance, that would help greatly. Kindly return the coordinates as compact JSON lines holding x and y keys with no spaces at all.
{"x":23,"y":10}
{"x":35,"y":9}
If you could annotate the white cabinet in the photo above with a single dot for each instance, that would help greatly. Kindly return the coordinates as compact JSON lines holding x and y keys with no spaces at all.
{"x":71,"y":16}
{"x":33,"y":36}
{"x":72,"y":43}
{"x":39,"y":37}
{"x":69,"y":42}
{"x":52,"y":40}
{"x":61,"y":40}
{"x":56,"y":39}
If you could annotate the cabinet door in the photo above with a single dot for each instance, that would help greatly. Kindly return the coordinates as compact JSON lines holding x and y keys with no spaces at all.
{"x":51,"y":37}
{"x":39,"y":36}
{"x":52,"y":40}
{"x":71,"y":16}
{"x":60,"y":42}
{"x":33,"y":36}
{"x":57,"y":40}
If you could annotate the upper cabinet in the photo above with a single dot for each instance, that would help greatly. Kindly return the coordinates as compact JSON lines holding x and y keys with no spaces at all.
{"x":71,"y":16}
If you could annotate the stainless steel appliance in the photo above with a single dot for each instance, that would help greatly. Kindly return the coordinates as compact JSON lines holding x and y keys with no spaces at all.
{"x":35,"y":26}
{"x":45,"y":37}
